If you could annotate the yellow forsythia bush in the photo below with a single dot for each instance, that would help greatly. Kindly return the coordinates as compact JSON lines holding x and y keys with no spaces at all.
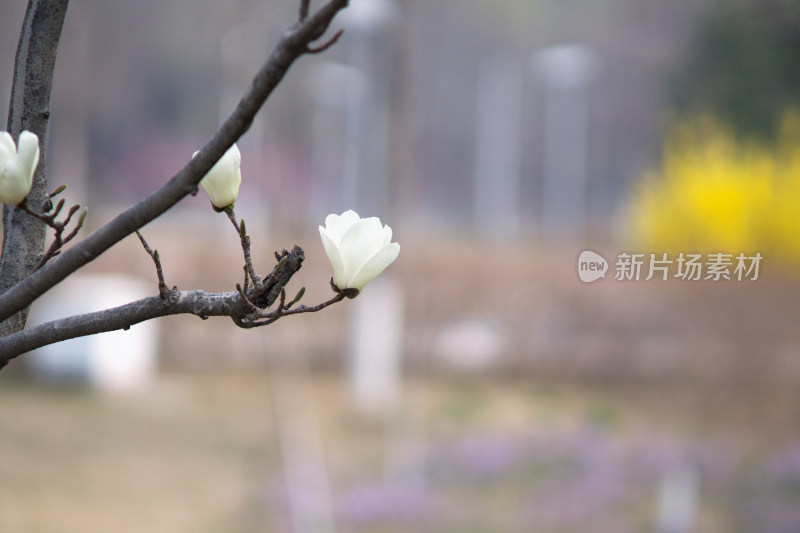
{"x":717,"y":193}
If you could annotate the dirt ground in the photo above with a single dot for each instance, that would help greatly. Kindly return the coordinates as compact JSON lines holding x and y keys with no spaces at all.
{"x":606,"y":407}
{"x":203,"y":452}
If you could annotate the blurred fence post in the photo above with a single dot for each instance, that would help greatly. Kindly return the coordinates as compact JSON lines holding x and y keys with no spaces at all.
{"x":300,"y":443}
{"x":368,"y":25}
{"x":376,"y":347}
{"x":566,"y":71}
{"x":498,"y":114}
{"x":336,"y":90}
{"x":677,"y":500}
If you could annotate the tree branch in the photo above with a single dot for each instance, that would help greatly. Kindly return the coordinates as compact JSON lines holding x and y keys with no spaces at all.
{"x":199,"y":303}
{"x":29,"y":109}
{"x":292,"y":44}
{"x":304,"y":6}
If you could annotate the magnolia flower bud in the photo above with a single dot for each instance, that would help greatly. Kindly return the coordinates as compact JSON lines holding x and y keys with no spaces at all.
{"x":223,"y":180}
{"x":17,"y":166}
{"x":358,"y":248}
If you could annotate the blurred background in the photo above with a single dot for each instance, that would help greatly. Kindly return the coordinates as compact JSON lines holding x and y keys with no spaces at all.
{"x":477,"y":385}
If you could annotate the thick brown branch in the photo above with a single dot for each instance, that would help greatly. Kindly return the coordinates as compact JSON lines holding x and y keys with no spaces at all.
{"x":292,"y":44}
{"x":289,"y":262}
{"x":199,"y":303}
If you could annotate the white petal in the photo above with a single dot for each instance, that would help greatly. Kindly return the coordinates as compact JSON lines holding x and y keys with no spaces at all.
{"x":234,"y":154}
{"x":223,"y":180}
{"x":7,"y":146}
{"x":363,"y":240}
{"x":237,"y":178}
{"x":387,"y":235}
{"x":338,"y":225}
{"x":28,"y":155}
{"x":13,"y":188}
{"x":375,"y":266}
{"x":332,"y":251}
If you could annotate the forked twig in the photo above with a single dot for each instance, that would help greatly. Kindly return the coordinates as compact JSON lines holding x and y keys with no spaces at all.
{"x":265,"y":318}
{"x":163,"y":291}
{"x":59,"y":240}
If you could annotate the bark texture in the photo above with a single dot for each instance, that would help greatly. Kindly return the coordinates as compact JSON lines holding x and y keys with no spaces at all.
{"x":29,"y":109}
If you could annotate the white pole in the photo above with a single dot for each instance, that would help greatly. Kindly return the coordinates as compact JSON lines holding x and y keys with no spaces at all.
{"x":497,"y":149}
{"x":376,"y":347}
{"x":566,"y":71}
{"x":336,"y":90}
{"x":677,"y":500}
{"x":300,"y":443}
{"x":368,"y":24}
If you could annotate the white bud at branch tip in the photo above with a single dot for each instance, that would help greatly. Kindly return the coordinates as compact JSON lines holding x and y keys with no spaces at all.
{"x":223,"y":180}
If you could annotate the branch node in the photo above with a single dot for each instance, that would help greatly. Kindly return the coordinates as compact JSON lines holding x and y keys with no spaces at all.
{"x":246,"y":300}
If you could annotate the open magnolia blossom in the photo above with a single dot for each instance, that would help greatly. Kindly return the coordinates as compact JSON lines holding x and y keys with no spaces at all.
{"x":223,"y":180}
{"x":17,"y":166}
{"x":358,"y":248}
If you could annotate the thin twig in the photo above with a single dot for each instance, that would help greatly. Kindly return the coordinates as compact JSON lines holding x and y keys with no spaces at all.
{"x":247,"y":301}
{"x":296,"y":299}
{"x":304,"y":6}
{"x":270,"y":317}
{"x":321,"y":48}
{"x":246,"y":283}
{"x":264,"y":291}
{"x":58,"y":227}
{"x":48,"y":219}
{"x":245,"y":240}
{"x":163,"y":291}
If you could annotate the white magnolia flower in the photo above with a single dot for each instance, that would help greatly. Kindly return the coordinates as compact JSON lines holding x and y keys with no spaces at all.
{"x":358,"y":248}
{"x":223,"y":180}
{"x":17,"y":166}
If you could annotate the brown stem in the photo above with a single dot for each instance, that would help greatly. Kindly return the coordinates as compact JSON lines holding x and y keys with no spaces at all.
{"x":282,"y":310}
{"x":245,"y":240}
{"x":163,"y":291}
